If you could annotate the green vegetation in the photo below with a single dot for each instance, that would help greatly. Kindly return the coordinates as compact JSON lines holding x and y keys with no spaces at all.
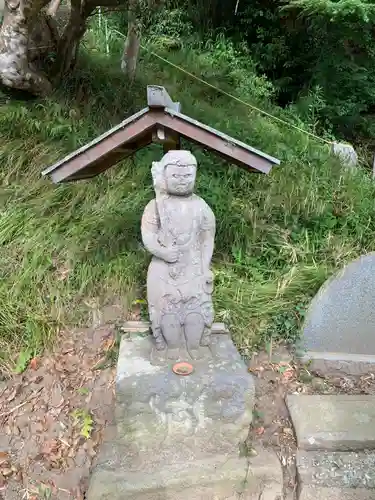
{"x":66,"y":250}
{"x":318,"y":53}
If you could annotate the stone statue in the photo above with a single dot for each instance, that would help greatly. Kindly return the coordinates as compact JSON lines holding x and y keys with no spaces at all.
{"x":178,"y":229}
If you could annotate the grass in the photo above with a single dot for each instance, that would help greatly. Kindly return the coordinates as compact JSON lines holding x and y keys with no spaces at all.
{"x":67,"y":250}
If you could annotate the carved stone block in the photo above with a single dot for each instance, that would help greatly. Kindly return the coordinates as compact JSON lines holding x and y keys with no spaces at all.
{"x":178,"y":434}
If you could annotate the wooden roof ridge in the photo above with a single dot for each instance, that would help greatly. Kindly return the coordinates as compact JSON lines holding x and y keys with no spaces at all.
{"x":163,"y":122}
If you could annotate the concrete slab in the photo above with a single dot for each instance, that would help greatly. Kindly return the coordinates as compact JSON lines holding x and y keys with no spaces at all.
{"x":315,"y":493}
{"x":338,"y":363}
{"x":336,"y":469}
{"x":336,"y":423}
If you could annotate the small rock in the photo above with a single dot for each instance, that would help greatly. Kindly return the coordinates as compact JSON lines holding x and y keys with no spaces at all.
{"x":305,"y":377}
{"x":346,"y":153}
{"x":318,"y":383}
{"x":4,"y":457}
{"x":56,"y":399}
{"x":6,"y":471}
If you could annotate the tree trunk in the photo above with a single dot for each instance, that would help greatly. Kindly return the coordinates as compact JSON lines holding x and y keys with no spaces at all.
{"x":53,"y":7}
{"x":133,"y":40}
{"x":16,"y":71}
{"x":71,"y":37}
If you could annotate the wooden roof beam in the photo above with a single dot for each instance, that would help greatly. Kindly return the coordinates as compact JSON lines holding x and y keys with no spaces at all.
{"x":124,"y":138}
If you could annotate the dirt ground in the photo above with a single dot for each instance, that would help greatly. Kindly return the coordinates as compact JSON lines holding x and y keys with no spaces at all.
{"x":52,"y":417}
{"x":271,"y":425}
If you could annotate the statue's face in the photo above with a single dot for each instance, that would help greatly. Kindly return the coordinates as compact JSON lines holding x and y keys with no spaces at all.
{"x":180,"y":179}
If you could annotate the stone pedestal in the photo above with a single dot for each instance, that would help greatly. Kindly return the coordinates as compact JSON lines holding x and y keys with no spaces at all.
{"x":179,"y":436}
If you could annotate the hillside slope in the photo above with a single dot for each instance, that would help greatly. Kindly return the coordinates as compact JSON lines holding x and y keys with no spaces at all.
{"x":67,"y":250}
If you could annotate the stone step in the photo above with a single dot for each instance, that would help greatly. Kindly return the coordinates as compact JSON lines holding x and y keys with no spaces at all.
{"x":212,"y":478}
{"x":316,"y":493}
{"x":336,"y":469}
{"x":333,"y":422}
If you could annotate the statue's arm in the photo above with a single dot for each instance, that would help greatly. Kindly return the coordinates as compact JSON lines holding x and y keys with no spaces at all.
{"x":150,"y":229}
{"x":208,"y":236}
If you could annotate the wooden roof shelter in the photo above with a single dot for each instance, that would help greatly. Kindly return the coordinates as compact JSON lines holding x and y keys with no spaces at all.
{"x":160,"y":122}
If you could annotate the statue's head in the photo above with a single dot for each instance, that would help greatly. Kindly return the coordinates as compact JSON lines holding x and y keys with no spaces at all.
{"x":178,"y":170}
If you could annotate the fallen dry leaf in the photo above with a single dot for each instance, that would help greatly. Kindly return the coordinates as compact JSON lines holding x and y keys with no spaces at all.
{"x":36,"y":408}
{"x":4,"y":457}
{"x":107,"y":344}
{"x":6,"y":471}
{"x":288,"y":430}
{"x":288,"y":375}
{"x":34,"y":364}
{"x":259,"y":431}
{"x":13,"y":394}
{"x":50,"y":447}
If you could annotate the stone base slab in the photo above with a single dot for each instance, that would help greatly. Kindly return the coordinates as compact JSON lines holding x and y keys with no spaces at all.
{"x":330,"y":422}
{"x":337,"y":469}
{"x":333,"y":363}
{"x":315,"y":493}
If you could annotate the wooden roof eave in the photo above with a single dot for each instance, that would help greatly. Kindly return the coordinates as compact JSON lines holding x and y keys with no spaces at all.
{"x":138,"y":131}
{"x":225,"y":146}
{"x":94,"y":157}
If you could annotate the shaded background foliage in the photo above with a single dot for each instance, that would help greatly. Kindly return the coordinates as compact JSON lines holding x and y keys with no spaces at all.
{"x":319,"y":54}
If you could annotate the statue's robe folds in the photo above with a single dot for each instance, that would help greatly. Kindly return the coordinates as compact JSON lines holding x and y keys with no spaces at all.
{"x":185,"y":286}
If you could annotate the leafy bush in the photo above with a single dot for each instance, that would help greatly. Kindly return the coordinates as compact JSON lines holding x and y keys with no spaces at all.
{"x":305,"y":45}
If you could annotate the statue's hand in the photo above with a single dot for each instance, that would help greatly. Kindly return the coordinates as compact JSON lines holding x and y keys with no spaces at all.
{"x":170,"y":255}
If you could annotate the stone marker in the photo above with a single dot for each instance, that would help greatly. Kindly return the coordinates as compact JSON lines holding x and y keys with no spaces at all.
{"x":179,"y":436}
{"x":339,"y":330}
{"x":346,"y":153}
{"x":337,"y":423}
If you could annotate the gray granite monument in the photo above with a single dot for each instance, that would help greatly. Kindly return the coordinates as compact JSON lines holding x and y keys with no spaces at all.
{"x":339,"y":331}
{"x":178,"y":433}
